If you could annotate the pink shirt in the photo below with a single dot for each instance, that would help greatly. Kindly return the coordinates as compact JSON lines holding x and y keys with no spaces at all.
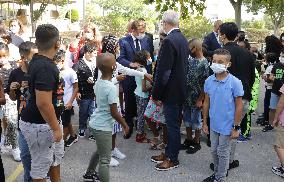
{"x":281,"y":116}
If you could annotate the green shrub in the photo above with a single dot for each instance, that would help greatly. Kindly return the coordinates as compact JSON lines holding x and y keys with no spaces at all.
{"x":74,"y":15}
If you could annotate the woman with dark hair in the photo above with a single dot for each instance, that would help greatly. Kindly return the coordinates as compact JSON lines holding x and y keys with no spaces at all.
{"x":273,"y":44}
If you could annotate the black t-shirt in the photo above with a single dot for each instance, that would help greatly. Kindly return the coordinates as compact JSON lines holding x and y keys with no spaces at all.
{"x":278,"y":72}
{"x":43,"y":76}
{"x":22,"y":93}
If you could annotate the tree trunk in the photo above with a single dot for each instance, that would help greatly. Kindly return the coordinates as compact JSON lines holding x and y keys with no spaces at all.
{"x":238,"y":11}
{"x":276,"y":25}
{"x":32,"y":17}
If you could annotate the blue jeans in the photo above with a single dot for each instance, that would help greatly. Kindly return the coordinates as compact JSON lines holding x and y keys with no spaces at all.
{"x":220,"y":150}
{"x":86,"y":109}
{"x":172,"y":114}
{"x":25,"y":157}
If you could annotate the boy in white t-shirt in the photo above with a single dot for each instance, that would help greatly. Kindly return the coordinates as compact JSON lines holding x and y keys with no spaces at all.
{"x":70,"y":91}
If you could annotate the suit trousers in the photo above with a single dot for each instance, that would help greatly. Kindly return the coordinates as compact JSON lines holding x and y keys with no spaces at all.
{"x":130,"y":100}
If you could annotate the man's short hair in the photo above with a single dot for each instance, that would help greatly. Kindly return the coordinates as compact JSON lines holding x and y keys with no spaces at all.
{"x":136,"y":24}
{"x":25,"y":48}
{"x":46,"y":36}
{"x":230,"y":29}
{"x":223,"y":52}
{"x":171,"y":17}
{"x":89,"y":48}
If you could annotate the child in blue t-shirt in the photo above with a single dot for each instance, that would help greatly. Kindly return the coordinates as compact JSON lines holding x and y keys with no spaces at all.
{"x":142,"y":94}
{"x":223,"y":101}
{"x":103,"y":118}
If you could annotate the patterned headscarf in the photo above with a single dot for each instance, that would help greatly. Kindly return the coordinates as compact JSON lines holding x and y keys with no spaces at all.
{"x":109,"y":44}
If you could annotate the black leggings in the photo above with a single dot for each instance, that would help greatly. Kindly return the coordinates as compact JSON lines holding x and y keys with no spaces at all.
{"x":2,"y":175}
{"x":266,"y":104}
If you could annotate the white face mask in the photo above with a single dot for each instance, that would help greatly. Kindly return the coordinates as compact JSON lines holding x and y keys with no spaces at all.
{"x":140,"y":36}
{"x":218,"y":68}
{"x":4,"y":61}
{"x":14,"y":29}
{"x":89,"y":36}
{"x":281,"y":59}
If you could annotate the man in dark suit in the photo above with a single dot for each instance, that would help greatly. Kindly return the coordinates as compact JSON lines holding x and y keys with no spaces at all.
{"x":170,"y":87}
{"x":129,"y":45}
{"x":211,"y":40}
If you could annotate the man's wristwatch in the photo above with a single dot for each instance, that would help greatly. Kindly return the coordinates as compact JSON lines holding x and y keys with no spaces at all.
{"x":236,"y":127}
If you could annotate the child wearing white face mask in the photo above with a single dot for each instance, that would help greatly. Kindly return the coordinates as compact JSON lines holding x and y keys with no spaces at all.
{"x":223,"y":102}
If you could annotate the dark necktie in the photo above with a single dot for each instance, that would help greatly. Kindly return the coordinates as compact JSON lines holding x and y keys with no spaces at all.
{"x":137,"y":45}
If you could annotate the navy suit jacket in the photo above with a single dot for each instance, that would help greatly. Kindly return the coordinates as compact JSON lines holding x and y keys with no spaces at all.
{"x":170,"y":76}
{"x":127,"y":49}
{"x":127,"y":52}
{"x":212,"y":43}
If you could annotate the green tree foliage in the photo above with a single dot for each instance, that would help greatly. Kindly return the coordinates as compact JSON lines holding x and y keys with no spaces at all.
{"x":186,"y":7}
{"x":74,"y":15}
{"x":196,"y":27}
{"x":257,"y":35}
{"x":273,"y":8}
{"x":257,"y":24}
{"x":116,"y":15}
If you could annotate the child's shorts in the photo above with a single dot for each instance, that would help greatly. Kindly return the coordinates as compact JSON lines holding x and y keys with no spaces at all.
{"x":274,"y":101}
{"x":116,"y":126}
{"x":154,"y":112}
{"x":44,"y":151}
{"x":66,"y":117}
{"x":192,"y":117}
{"x":279,"y":142}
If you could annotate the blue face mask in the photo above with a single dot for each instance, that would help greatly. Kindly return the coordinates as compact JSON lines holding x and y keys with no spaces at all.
{"x":155,"y":58}
{"x":149,"y":61}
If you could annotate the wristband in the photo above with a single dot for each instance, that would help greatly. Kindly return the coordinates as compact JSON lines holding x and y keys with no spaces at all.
{"x":236,"y":127}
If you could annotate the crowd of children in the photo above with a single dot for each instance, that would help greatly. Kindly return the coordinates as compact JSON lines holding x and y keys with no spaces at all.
{"x":39,"y":91}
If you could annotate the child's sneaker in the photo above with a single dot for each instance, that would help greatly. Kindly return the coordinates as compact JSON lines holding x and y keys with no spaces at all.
{"x":117,"y":154}
{"x":91,"y":177}
{"x":92,"y":138}
{"x":81,"y":133}
{"x":113,"y":162}
{"x":16,"y":154}
{"x":193,"y":148}
{"x":186,"y":144}
{"x":242,"y":139}
{"x":278,"y":171}
{"x":210,"y":179}
{"x":71,"y":141}
{"x":267,"y":128}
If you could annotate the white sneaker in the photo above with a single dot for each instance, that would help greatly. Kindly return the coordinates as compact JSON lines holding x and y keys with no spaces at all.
{"x":117,"y":154}
{"x":16,"y":154}
{"x":113,"y":162}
